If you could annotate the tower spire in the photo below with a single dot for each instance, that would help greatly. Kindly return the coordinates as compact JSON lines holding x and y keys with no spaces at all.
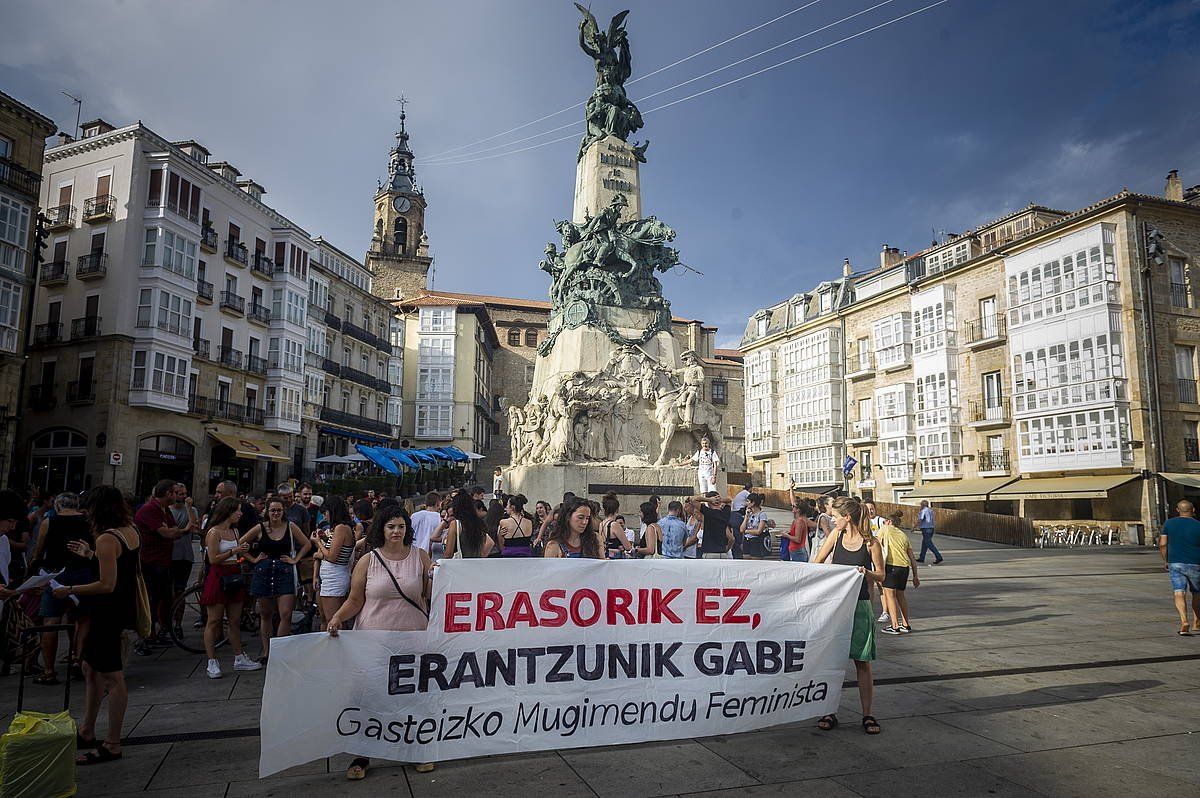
{"x":401,"y":174}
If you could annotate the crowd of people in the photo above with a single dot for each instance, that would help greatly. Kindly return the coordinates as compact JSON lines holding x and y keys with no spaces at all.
{"x":367,"y":562}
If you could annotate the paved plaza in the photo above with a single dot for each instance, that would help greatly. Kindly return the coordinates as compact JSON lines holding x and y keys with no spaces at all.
{"x":1029,"y":672}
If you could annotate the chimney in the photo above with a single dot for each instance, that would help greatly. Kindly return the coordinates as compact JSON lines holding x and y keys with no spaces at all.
{"x":889,"y":257}
{"x":1174,"y":189}
{"x":64,"y":138}
{"x":846,"y":269}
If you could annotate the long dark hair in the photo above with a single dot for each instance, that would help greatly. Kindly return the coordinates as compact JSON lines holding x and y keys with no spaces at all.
{"x":222,"y":511}
{"x":364,"y":510}
{"x":589,"y":544}
{"x":649,"y":515}
{"x":470,"y":528}
{"x":386,"y":512}
{"x":611,"y":504}
{"x":518,"y":501}
{"x":337,"y":512}
{"x":107,"y":509}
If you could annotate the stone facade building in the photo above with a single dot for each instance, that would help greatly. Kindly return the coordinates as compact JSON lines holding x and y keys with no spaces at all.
{"x":1043,"y":364}
{"x":23,"y":133}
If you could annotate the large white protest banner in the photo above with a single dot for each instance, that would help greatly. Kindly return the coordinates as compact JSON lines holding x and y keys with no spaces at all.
{"x":526,"y":655}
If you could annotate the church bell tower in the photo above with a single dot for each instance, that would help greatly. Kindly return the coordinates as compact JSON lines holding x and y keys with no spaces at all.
{"x":399,"y":253}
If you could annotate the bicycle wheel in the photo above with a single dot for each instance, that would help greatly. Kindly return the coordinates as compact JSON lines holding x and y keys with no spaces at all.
{"x":188,"y":607}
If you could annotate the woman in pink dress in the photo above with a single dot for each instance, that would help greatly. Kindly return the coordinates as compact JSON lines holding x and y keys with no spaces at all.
{"x":389,"y":590}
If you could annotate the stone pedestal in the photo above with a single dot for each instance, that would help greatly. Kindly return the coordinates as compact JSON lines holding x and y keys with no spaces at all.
{"x":608,"y":167}
{"x":633,"y":484}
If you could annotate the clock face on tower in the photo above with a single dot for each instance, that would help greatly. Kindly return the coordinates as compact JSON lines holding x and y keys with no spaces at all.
{"x":401,"y":204}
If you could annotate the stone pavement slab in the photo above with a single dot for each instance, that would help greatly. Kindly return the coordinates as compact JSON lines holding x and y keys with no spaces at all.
{"x":1085,"y":773}
{"x":954,"y":778}
{"x":519,"y":776}
{"x":654,"y":769}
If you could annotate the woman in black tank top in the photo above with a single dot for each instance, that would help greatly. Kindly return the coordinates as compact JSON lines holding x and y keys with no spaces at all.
{"x":851,"y":543}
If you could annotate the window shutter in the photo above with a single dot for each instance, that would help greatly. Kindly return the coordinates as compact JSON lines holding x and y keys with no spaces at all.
{"x":64,"y":195}
{"x":103,"y":184}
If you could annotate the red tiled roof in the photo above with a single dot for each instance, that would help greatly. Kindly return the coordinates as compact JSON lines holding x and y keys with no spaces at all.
{"x":734,"y":354}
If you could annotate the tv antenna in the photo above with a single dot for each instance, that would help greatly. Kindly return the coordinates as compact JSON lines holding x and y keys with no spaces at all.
{"x":78,"y":110}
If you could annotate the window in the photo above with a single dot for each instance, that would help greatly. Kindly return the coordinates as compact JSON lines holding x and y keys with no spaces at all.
{"x":436,"y":351}
{"x":5,"y":147}
{"x":168,"y":373}
{"x":10,"y":314}
{"x":437,"y":319}
{"x":400,"y":235}
{"x":178,"y":253}
{"x":1181,"y":297}
{"x":1185,"y":373}
{"x":433,"y":420}
{"x":531,"y":337}
{"x":720,"y":392}
{"x":14,"y":234}
{"x":1191,"y":442}
{"x":362,"y":406}
{"x":174,"y":313}
{"x":514,"y":337}
{"x":296,"y":306}
{"x":435,"y":383}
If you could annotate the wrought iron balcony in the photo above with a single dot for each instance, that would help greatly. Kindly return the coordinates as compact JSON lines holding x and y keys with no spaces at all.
{"x":331,"y":367}
{"x":259,"y":312}
{"x":100,"y":208}
{"x":91,"y":266}
{"x":55,"y":273}
{"x":85,"y":327}
{"x":225,"y":409}
{"x":228,"y":356}
{"x":355,"y":421}
{"x":860,"y":363}
{"x":204,"y":291}
{"x":256,"y":364}
{"x":19,"y":179}
{"x":208,"y":239}
{"x":233,"y":302}
{"x":861,"y":430}
{"x":79,"y":393}
{"x":236,"y":251}
{"x":1191,"y":449}
{"x":60,"y":217}
{"x":50,"y":333}
{"x":42,"y":397}
{"x":361,"y":377}
{"x":993,"y":462}
{"x":354,"y":331}
{"x":332,"y":321}
{"x":202,"y":349}
{"x":1187,"y":391}
{"x":989,"y":414}
{"x":986,"y":330}
{"x":1181,"y":297}
{"x":262,"y":265}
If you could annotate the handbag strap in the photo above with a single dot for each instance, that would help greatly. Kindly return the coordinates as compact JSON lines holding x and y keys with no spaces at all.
{"x":395,"y":583}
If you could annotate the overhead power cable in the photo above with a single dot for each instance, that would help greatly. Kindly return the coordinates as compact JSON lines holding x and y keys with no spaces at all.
{"x":756,"y":73}
{"x":696,"y":54}
{"x":434,"y":161}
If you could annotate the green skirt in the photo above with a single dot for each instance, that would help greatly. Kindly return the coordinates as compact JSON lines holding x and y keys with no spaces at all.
{"x":862,"y":638}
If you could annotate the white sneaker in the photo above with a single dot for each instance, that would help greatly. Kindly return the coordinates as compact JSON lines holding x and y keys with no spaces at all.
{"x":214,"y":669}
{"x":243,"y":663}
{"x":884,"y":618}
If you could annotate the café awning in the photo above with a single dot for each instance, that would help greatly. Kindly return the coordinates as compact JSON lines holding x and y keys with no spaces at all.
{"x":251,"y":448}
{"x":959,"y":490}
{"x":1091,"y":487}
{"x":379,"y":458}
{"x":1187,"y":480}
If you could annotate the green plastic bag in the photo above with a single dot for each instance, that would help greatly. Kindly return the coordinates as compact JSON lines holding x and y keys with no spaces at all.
{"x":37,"y":756}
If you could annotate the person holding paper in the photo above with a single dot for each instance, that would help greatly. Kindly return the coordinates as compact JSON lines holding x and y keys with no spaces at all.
{"x":53,"y":554}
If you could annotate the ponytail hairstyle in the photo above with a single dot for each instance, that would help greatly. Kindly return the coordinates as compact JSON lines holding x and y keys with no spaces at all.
{"x":610,"y":504}
{"x":851,"y":508}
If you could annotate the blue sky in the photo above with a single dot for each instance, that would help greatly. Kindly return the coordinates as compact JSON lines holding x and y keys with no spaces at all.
{"x":936,"y":123}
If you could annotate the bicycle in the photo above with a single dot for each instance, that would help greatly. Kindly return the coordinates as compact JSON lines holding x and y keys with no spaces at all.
{"x":188,"y":608}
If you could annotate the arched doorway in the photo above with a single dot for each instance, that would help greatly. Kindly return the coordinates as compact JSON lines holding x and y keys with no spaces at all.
{"x":58,"y":461}
{"x":164,"y":457}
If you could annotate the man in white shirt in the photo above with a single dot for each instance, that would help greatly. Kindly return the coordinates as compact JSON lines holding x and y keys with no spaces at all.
{"x":737,"y":511}
{"x":425,"y":521}
{"x":708,"y":462}
{"x":874,"y":519}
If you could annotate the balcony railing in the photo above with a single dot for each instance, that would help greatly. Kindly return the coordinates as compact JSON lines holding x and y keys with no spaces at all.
{"x":256,"y":364}
{"x":988,"y":328}
{"x":993,"y":461}
{"x":208,"y":239}
{"x":85,"y":327}
{"x":1187,"y":391}
{"x":60,"y":217}
{"x":1181,"y":297}
{"x":233,"y":302}
{"x":54,"y":273}
{"x":894,"y":357}
{"x":355,"y":421}
{"x":203,"y":349}
{"x":225,"y":409}
{"x":989,"y":412}
{"x":204,"y":291}
{"x":99,"y":208}
{"x":1191,"y":449}
{"x":262,"y":264}
{"x":354,"y":331}
{"x":259,"y":312}
{"x":332,"y":321}
{"x":91,"y":266}
{"x":862,"y":430}
{"x":331,"y":367}
{"x":19,"y":178}
{"x":228,"y":356}
{"x":361,"y":377}
{"x":42,"y":397}
{"x":236,"y":251}
{"x":860,"y":363}
{"x":79,"y":392}
{"x":49,"y":333}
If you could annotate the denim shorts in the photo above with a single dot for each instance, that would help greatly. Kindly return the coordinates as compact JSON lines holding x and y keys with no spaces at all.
{"x":1184,"y":576}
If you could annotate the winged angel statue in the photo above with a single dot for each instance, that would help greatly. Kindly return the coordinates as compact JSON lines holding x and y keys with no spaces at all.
{"x":609,"y":111}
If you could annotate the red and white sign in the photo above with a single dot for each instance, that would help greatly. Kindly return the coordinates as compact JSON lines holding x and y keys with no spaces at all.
{"x":598,"y":653}
{"x":115,"y":458}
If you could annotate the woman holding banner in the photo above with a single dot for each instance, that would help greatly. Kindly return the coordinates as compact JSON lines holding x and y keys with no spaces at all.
{"x":389,"y":590}
{"x":851,"y":543}
{"x":572,"y":535}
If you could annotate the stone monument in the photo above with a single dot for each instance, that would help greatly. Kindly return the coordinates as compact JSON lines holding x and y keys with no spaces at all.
{"x":614,"y":404}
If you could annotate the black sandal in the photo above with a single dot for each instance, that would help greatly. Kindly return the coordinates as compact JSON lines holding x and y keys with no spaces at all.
{"x":49,"y":678}
{"x":827,"y":723}
{"x":870,"y":725}
{"x":84,"y":743}
{"x":96,"y":757}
